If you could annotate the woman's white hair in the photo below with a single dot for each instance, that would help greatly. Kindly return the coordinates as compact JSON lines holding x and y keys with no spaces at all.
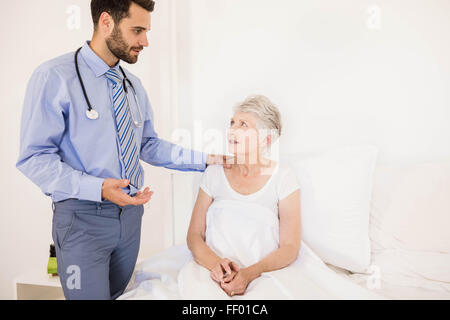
{"x":267,"y":113}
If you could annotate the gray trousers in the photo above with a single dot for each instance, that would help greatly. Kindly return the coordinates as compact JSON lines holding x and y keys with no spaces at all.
{"x":97,"y":245}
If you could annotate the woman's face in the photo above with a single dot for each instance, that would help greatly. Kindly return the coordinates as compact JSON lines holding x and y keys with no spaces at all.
{"x":243,"y":135}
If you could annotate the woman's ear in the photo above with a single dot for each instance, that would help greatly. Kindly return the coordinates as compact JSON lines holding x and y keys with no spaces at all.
{"x":268,"y":140}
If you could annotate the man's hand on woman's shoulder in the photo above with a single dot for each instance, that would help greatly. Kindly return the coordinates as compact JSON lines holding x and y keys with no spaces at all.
{"x":221,"y":159}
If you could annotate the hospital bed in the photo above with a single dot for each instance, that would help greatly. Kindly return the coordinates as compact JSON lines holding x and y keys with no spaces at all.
{"x":408,"y":232}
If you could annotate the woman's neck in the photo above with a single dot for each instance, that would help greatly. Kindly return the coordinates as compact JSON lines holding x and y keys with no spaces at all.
{"x":249,"y":166}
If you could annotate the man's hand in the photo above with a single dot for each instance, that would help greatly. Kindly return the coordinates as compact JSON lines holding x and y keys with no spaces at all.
{"x":224,"y":160}
{"x":111,"y":190}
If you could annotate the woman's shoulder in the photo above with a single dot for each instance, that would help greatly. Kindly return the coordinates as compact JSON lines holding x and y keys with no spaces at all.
{"x":284,"y":169}
{"x":287,"y":181}
{"x":212,"y":173}
{"x":210,"y":178}
{"x":213,"y":169}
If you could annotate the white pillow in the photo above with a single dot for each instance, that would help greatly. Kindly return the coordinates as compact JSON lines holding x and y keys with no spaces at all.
{"x":335,"y":189}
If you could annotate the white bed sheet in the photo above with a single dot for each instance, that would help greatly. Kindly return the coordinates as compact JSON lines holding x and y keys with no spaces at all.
{"x":399,"y":287}
{"x":156,"y":278}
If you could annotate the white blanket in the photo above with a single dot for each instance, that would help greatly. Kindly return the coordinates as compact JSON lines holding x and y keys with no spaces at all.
{"x":245,"y":233}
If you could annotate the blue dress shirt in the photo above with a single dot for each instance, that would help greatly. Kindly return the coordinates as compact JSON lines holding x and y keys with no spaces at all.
{"x":69,"y":155}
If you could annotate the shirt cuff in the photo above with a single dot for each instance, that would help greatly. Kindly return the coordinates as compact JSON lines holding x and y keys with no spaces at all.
{"x":204,"y":157}
{"x":90,"y":188}
{"x":196,"y":161}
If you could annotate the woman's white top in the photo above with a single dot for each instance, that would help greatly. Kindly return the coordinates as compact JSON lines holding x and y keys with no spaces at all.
{"x":245,"y":228}
{"x":281,"y":183}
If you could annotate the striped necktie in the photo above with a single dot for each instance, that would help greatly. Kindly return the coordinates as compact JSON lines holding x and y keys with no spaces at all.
{"x":129,"y":148}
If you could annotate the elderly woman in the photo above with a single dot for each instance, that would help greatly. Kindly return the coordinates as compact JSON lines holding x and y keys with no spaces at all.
{"x":246,"y":220}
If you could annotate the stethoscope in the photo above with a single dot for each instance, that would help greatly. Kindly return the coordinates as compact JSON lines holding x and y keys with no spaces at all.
{"x":92,"y":114}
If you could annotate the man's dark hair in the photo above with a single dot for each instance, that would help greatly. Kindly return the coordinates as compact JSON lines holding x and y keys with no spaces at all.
{"x":118,"y":9}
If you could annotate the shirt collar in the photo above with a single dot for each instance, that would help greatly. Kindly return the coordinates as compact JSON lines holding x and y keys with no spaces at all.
{"x":97,"y":65}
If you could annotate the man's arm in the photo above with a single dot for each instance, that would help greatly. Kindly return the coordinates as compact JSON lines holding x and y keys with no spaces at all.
{"x":159,"y":152}
{"x":42,"y":129}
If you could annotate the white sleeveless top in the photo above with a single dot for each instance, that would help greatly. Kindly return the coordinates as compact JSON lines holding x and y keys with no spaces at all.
{"x":282,"y":183}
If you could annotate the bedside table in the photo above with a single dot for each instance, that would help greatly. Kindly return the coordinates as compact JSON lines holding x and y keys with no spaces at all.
{"x":36,"y":285}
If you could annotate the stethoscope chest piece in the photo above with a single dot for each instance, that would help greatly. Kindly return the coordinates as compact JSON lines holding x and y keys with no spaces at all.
{"x":92,"y":114}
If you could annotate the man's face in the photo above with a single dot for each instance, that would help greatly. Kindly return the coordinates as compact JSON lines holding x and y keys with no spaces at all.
{"x":129,"y":37}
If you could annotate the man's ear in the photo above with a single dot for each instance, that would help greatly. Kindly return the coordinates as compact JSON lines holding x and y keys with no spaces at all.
{"x":106,"y":24}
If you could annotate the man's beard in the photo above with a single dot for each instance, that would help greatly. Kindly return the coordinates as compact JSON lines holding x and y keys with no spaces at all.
{"x":117,"y":45}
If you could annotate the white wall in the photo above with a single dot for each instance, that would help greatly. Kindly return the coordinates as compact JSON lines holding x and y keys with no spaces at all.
{"x":341,"y":72}
{"x":36,"y":31}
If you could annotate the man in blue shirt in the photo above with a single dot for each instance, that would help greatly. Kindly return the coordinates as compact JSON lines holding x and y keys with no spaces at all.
{"x":88,"y":162}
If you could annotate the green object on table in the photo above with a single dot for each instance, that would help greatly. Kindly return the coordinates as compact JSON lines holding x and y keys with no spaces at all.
{"x":52,"y":266}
